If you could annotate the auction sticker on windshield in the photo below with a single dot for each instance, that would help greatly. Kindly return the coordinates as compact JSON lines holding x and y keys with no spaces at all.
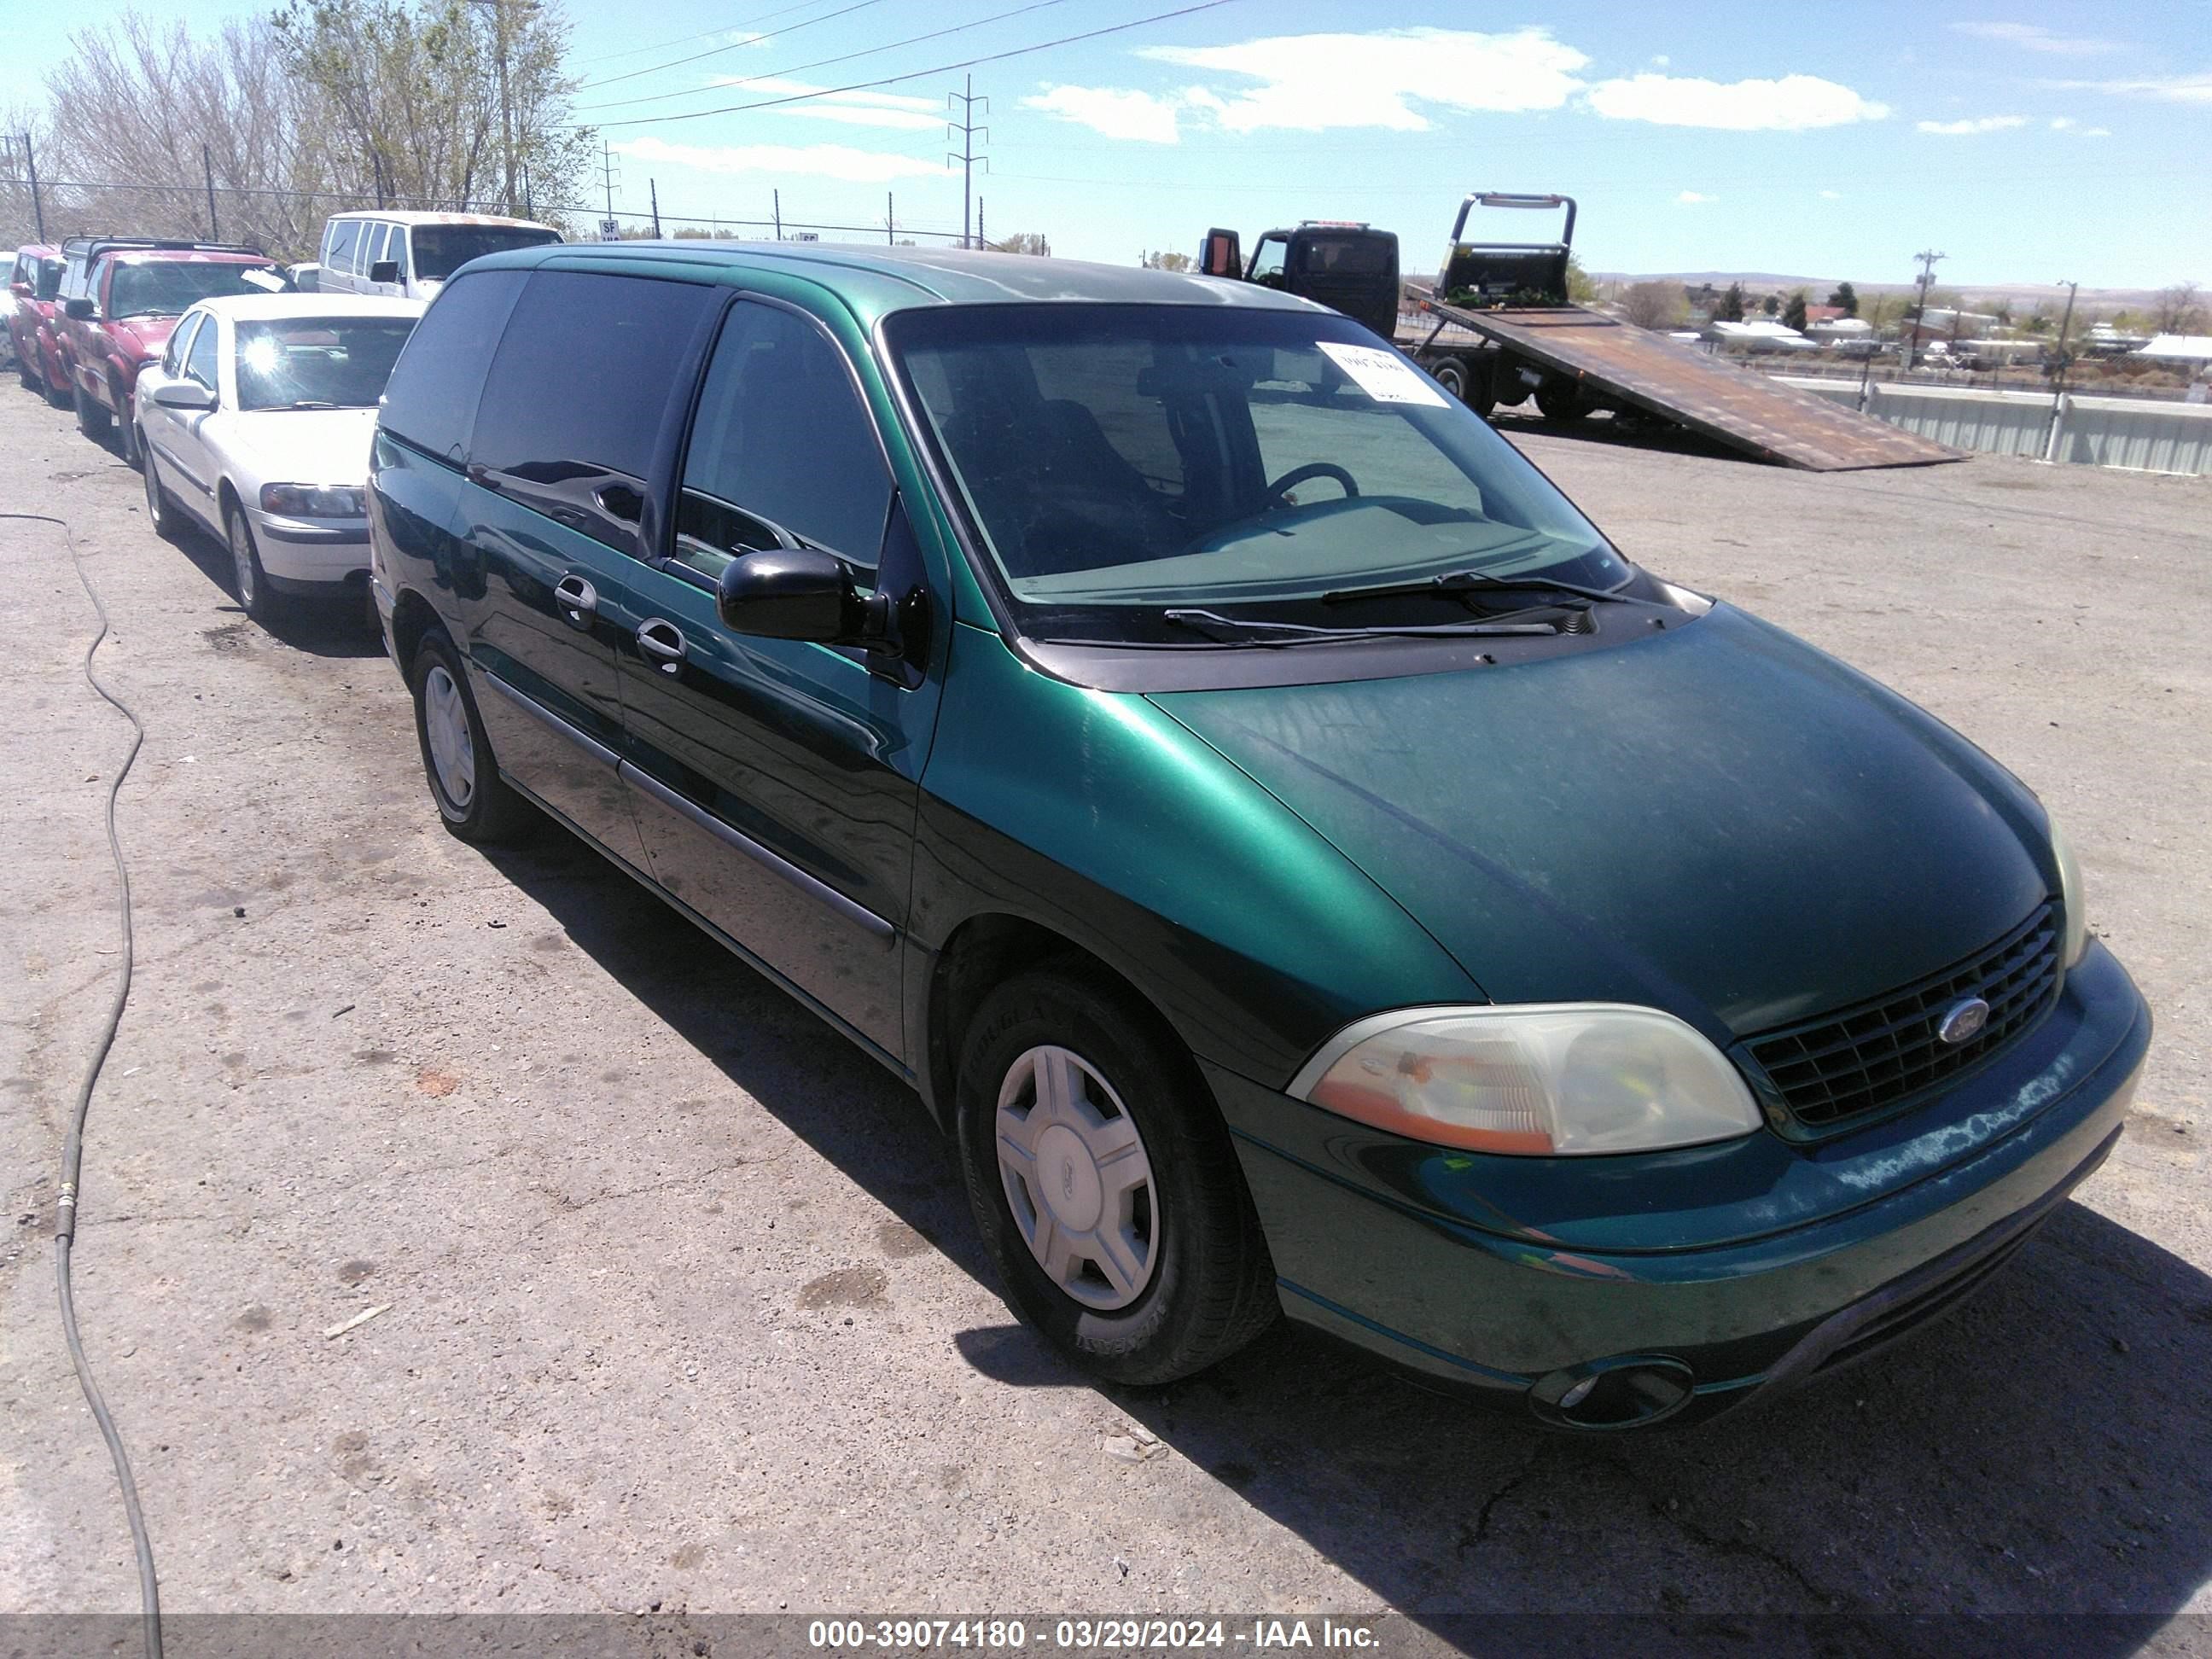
{"x":1382,"y":375}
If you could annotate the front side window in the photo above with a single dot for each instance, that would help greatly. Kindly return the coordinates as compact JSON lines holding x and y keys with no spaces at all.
{"x":180,"y":342}
{"x":345,"y":241}
{"x":1267,"y":261}
{"x":373,"y":246}
{"x":200,"y":362}
{"x":441,"y":249}
{"x":1125,"y":461}
{"x":318,"y":363}
{"x":782,"y":440}
{"x":50,"y":278}
{"x":167,"y":288}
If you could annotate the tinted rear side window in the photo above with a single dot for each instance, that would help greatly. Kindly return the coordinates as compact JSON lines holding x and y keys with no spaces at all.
{"x":583,"y":374}
{"x":431,"y":397}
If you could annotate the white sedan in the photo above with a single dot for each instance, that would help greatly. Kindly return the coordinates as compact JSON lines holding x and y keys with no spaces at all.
{"x":257,"y":422}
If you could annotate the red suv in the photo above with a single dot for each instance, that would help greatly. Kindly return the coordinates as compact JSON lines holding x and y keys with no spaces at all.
{"x":121,"y":312}
{"x":33,"y":315}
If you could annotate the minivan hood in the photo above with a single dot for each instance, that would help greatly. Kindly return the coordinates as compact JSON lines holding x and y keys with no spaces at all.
{"x":1720,"y":820}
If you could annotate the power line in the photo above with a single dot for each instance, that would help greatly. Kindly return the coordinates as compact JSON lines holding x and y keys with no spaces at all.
{"x":703,"y":34}
{"x":941,"y":69}
{"x":823,"y":62}
{"x":716,"y":52}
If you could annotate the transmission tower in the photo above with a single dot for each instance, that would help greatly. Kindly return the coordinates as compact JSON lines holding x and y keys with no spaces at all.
{"x":966,"y":129}
{"x":610,"y":175}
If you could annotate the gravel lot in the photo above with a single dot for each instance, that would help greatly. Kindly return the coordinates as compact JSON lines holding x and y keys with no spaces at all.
{"x":682,"y":1305}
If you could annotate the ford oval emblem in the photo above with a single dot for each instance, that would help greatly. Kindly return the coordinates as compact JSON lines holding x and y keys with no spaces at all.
{"x":1963,"y":1020}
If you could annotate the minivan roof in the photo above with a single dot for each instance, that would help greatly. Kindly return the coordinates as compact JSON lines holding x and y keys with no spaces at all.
{"x":415,"y":216}
{"x":876,"y":281}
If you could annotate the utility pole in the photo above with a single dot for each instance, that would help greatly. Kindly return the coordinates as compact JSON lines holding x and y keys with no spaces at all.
{"x":207,"y":165}
{"x":1928,"y":258}
{"x":891,"y":220}
{"x":654,"y":185}
{"x":2058,"y":383}
{"x":966,"y":155}
{"x":981,"y":240}
{"x":610,"y":226}
{"x":776,"y":197}
{"x":38,"y":205}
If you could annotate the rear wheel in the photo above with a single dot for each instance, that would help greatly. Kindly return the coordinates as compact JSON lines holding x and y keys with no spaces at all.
{"x":471,"y":797}
{"x":126,"y":432}
{"x":59,"y":391}
{"x":1102,"y":1179}
{"x":1562,"y":399}
{"x":26,"y":374}
{"x":1507,"y":384}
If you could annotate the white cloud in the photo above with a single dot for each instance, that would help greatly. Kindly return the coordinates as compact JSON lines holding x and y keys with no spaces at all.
{"x":864,"y":167}
{"x":858,"y":109}
{"x":2096,"y":132}
{"x":1140,"y":116}
{"x":2034,"y":37}
{"x":2167,"y":88}
{"x":2061,"y":123}
{"x":1313,"y":82}
{"x":1691,"y":198}
{"x":1832,"y":196}
{"x":1792,"y":104}
{"x":1980,"y":124}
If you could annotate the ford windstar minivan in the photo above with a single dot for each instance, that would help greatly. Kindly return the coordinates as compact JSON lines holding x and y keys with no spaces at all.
{"x":1306,"y":865}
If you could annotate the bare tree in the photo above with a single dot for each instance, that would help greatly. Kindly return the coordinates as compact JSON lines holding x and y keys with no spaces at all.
{"x":1655,"y":305}
{"x":1167,"y":261}
{"x":1023,"y":241}
{"x":142,"y":119}
{"x":2178,"y":310}
{"x":411,"y":101}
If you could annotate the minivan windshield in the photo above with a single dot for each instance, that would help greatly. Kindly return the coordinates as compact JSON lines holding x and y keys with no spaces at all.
{"x":1124,"y":461}
{"x":318,"y":363}
{"x":168,"y":287}
{"x":441,"y":249}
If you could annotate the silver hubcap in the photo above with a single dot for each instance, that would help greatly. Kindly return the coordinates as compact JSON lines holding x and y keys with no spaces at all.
{"x":1077,"y":1179}
{"x":445,"y":724}
{"x":241,"y":559}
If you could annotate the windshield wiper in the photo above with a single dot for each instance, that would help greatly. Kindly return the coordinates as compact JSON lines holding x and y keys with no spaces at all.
{"x":1235,"y":630}
{"x":1455,"y":583}
{"x":310,"y":403}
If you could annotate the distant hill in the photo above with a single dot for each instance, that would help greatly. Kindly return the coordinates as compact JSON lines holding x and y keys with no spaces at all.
{"x":2030,"y":294}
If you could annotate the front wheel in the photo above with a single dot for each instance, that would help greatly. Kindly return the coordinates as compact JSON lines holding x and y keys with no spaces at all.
{"x":1102,"y":1179}
{"x":91,"y":419}
{"x":160,"y":508}
{"x":59,"y":391}
{"x":251,"y":582}
{"x":1468,"y":379}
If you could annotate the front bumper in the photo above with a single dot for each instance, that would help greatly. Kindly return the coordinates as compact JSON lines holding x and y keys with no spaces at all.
{"x":311,"y":556}
{"x":1431,"y":1258}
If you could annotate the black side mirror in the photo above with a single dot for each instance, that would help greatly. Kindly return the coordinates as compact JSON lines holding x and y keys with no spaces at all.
{"x":1221,"y":255}
{"x":81,"y":308}
{"x":384,"y":270}
{"x":791,"y":594}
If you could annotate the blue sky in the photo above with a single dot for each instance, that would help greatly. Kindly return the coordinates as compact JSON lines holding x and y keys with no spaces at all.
{"x":2030,"y":143}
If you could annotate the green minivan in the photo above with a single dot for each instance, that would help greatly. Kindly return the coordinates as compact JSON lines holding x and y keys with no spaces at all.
{"x":1303,"y":863}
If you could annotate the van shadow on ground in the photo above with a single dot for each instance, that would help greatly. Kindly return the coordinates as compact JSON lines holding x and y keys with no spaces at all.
{"x":2046,"y":1451}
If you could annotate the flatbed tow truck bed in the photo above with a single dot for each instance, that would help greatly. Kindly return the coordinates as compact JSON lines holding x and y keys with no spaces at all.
{"x":1630,"y":367}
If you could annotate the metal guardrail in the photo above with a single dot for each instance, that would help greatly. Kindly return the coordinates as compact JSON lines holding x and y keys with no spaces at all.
{"x":2133,"y":433}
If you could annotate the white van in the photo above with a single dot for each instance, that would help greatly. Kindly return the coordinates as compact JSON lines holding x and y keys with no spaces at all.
{"x":410,"y":255}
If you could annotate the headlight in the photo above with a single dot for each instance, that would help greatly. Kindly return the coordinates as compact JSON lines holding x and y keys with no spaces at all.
{"x":2073,"y":939}
{"x":1537,"y":1079}
{"x":313,"y":500}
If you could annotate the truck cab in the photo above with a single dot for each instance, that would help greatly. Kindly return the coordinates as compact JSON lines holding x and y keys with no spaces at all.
{"x":1347,"y":266}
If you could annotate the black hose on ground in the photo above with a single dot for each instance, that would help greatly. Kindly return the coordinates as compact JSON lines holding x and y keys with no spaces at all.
{"x":149,"y":1595}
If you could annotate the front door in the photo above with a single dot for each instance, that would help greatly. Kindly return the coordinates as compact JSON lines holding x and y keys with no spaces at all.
{"x":777,"y":781}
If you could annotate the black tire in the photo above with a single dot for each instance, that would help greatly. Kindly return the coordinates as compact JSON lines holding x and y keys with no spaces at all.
{"x":247,"y":579}
{"x":1211,"y":1288}
{"x":28,"y":376}
{"x":490,"y":813}
{"x":126,"y":433}
{"x":59,"y":392}
{"x":1467,"y":379}
{"x":1562,"y":399}
{"x":1507,"y":388}
{"x":163,"y":516}
{"x":91,"y":419}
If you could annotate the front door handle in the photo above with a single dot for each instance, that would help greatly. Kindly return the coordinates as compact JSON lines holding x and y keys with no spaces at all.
{"x":578,"y":599}
{"x":662,"y":642}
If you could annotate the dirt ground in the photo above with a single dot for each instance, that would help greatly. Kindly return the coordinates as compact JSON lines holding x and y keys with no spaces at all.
{"x":680,"y":1304}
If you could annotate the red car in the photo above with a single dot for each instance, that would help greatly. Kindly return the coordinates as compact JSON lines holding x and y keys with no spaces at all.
{"x":121,"y":315}
{"x":33,"y":315}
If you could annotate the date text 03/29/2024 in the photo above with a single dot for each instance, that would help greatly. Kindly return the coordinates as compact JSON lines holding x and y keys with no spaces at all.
{"x":979,"y":1637}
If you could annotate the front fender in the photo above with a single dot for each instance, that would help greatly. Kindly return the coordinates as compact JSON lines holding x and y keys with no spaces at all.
{"x":1094,"y":816}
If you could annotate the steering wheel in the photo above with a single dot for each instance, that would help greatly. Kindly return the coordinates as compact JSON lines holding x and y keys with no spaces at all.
{"x":1298,"y":475}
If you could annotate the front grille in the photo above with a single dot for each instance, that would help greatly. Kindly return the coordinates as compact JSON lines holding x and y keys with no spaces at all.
{"x":1834,"y":1071}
